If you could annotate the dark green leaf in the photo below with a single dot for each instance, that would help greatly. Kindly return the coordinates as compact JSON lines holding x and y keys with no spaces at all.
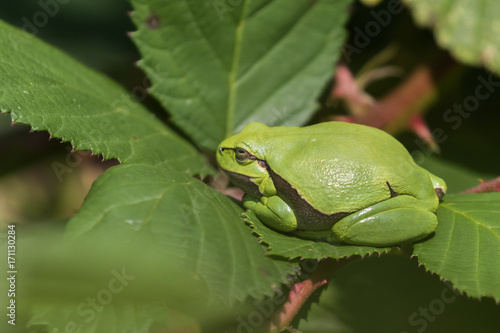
{"x":218,"y":65}
{"x":466,"y":247}
{"x":44,"y":88}
{"x":184,"y":220}
{"x":393,"y":294}
{"x":468,"y":28}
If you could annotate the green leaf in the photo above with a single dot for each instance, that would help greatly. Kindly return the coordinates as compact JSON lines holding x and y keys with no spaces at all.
{"x":393,"y":294}
{"x":70,"y":272}
{"x":218,"y":65}
{"x":468,"y":28}
{"x":289,"y":246}
{"x":466,"y":247}
{"x":184,"y":220}
{"x":44,"y":88}
{"x":100,"y":286}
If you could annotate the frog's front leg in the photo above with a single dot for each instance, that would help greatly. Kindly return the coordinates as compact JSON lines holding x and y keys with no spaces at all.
{"x":393,"y":221}
{"x":272,"y":211}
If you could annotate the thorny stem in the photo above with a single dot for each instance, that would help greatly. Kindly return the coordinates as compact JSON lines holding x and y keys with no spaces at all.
{"x":489,"y":186}
{"x":301,"y":291}
{"x":398,"y":109}
{"x":398,"y":106}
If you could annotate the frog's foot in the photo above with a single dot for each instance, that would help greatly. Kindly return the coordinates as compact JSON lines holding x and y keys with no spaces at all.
{"x":394,"y":221}
{"x":273,"y":212}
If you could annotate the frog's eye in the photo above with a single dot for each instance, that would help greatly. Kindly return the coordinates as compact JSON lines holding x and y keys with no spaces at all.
{"x":242,"y":155}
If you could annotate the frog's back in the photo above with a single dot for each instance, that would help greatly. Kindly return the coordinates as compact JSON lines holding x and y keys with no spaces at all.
{"x":340,"y":167}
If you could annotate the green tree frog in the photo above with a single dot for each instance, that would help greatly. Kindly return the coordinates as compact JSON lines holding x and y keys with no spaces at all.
{"x":337,"y":182}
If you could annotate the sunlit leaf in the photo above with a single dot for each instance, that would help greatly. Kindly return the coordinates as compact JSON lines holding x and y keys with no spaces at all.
{"x":46,"y":89}
{"x":219,"y":65}
{"x":468,"y":28}
{"x":466,"y":247}
{"x":185,"y":221}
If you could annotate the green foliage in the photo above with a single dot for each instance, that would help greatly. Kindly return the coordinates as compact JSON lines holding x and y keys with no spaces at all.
{"x":467,"y":29}
{"x":408,"y":298}
{"x":97,"y":286}
{"x":209,"y":62}
{"x":181,"y":217}
{"x":112,"y":319}
{"x":466,"y":247}
{"x":48,"y":90}
{"x":216,"y":66}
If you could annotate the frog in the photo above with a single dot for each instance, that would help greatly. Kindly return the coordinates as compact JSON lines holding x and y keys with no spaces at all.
{"x":338,"y":182}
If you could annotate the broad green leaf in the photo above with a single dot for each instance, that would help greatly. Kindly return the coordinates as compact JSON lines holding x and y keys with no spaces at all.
{"x":44,"y":88}
{"x":289,"y":246}
{"x":218,"y":65}
{"x":468,"y":28}
{"x":101,"y":286}
{"x":70,"y":272}
{"x":184,"y":220}
{"x":466,"y":247}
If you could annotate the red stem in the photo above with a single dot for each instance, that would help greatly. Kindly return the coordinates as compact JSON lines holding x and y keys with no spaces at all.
{"x":489,"y":186}
{"x":301,"y":291}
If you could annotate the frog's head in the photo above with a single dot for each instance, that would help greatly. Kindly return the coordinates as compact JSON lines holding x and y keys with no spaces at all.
{"x":242,"y":157}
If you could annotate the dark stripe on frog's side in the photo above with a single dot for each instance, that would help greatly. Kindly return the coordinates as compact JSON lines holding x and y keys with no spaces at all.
{"x":303,"y":211}
{"x":308,"y":218}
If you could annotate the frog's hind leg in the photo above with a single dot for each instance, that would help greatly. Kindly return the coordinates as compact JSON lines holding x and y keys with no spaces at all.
{"x":394,"y":221}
